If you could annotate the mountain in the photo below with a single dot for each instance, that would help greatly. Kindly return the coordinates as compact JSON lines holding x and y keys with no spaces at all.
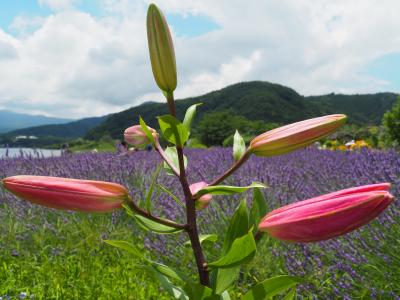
{"x":11,"y":120}
{"x":256,"y":100}
{"x":73,"y":129}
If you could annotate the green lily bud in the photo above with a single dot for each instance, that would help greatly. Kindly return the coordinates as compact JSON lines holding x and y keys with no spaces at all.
{"x":161,"y":50}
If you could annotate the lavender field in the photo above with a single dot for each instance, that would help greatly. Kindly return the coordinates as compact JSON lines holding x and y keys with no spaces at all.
{"x":47,"y":254}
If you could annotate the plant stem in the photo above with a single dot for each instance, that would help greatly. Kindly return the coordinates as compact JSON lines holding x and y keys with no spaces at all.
{"x":232,"y":169}
{"x":192,"y":224}
{"x":131,"y":203}
{"x":165,"y":158}
{"x":191,"y":228}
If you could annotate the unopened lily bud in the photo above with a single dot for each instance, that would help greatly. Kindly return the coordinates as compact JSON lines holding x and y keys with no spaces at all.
{"x":137,"y":137}
{"x":161,"y":48}
{"x":204,"y":200}
{"x":68,"y":194}
{"x":329,"y":215}
{"x":294,"y":136}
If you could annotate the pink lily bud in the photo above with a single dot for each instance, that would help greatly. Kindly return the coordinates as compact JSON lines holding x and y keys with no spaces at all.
{"x":294,"y":136}
{"x":204,"y":200}
{"x":68,"y":194}
{"x":329,"y":215}
{"x":136,"y":136}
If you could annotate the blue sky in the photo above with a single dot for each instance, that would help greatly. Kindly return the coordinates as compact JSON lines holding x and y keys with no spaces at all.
{"x":56,"y":61}
{"x":187,"y":25}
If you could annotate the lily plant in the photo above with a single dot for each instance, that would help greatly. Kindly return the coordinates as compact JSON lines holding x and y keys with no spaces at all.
{"x":321,"y":218}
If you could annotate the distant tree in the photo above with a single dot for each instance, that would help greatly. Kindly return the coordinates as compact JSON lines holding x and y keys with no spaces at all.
{"x":217,"y":127}
{"x":391,"y":123}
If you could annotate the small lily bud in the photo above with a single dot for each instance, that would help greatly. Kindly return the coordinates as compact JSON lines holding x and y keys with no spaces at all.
{"x":294,"y":136}
{"x":204,"y":200}
{"x":68,"y":194}
{"x":329,"y":215}
{"x":137,"y":137}
{"x":161,"y":48}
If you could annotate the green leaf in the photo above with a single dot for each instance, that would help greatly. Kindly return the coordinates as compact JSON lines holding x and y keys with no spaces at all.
{"x":205,"y":238}
{"x":258,"y":208}
{"x":238,"y":226}
{"x":172,"y":155}
{"x":225,"y":296}
{"x":227,"y":189}
{"x":239,"y":146}
{"x":222,"y":279}
{"x":196,"y":291}
{"x":242,"y":250}
{"x":290,"y":295}
{"x":151,"y":188}
{"x":126,"y":246}
{"x":151,"y":225}
{"x":167,"y":271}
{"x":173,"y":290}
{"x":271,"y":287}
{"x":173,"y":130}
{"x":179,"y":202}
{"x":146,"y":130}
{"x":189,"y":116}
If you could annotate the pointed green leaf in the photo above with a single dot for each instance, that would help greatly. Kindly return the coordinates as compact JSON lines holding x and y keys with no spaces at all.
{"x":242,"y":250}
{"x":189,"y":116}
{"x":174,"y":291}
{"x":222,"y":279}
{"x":271,"y":287}
{"x":172,"y":155}
{"x":167,"y":271}
{"x":205,"y":238}
{"x":151,"y":188}
{"x":179,"y":202}
{"x":290,"y":295}
{"x":146,"y":130}
{"x":151,"y":225}
{"x":126,"y":246}
{"x":258,"y":208}
{"x":238,"y":226}
{"x":173,"y":130}
{"x":227,"y":189}
{"x":239,"y":146}
{"x":196,"y":291}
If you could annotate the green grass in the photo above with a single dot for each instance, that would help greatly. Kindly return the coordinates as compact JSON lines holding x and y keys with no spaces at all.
{"x":59,"y":255}
{"x":62,"y":256}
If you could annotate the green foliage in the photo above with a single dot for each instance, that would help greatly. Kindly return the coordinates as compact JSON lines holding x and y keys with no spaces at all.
{"x":258,"y":208}
{"x":146,"y":130}
{"x":221,"y":279}
{"x":65,"y":257}
{"x":227,"y":189}
{"x":173,"y":131}
{"x":391,"y":122}
{"x":189,"y":116}
{"x":215,"y":127}
{"x":271,"y":287}
{"x":263,"y":101}
{"x":172,"y":155}
{"x":239,"y":146}
{"x":241,"y":251}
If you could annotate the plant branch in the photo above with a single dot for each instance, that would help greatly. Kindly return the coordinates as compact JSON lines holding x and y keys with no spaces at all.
{"x":131,"y":203}
{"x":190,"y":210}
{"x":232,"y":169}
{"x":165,"y":158}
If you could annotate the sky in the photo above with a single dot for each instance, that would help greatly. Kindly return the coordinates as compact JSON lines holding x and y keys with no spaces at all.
{"x":81,"y":58}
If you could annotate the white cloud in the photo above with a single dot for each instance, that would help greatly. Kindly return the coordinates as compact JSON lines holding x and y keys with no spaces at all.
{"x":58,"y":4}
{"x":73,"y":64}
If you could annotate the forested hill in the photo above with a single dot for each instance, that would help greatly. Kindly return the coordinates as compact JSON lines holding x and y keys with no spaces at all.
{"x":257,"y":100}
{"x":73,"y":129}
